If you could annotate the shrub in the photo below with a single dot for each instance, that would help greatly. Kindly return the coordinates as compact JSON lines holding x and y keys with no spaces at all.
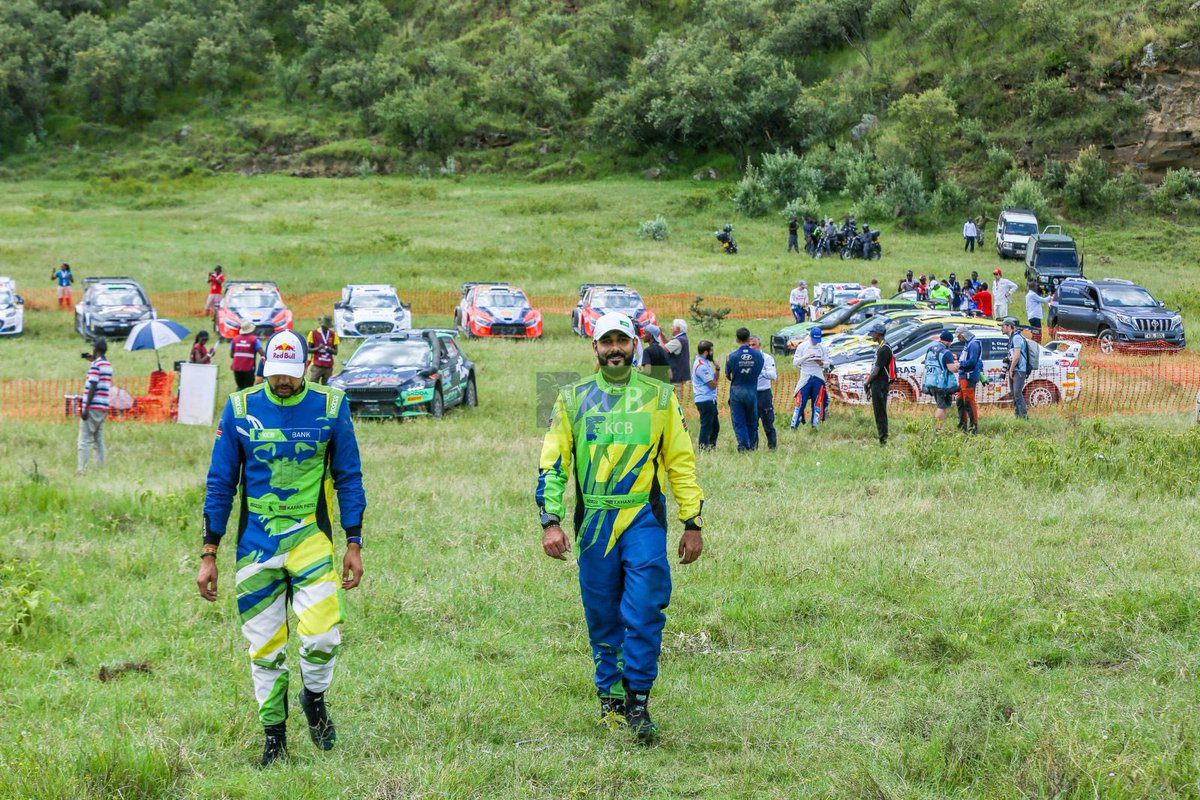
{"x":786,"y":175}
{"x":1054,"y":174}
{"x":1120,"y":191}
{"x":999,"y":162}
{"x":1050,"y":99}
{"x":1026,"y":192}
{"x":801,"y":207}
{"x":1085,"y":180}
{"x":949,"y":200}
{"x":752,"y":197}
{"x":656,"y":229}
{"x":871,"y":206}
{"x":904,"y":193}
{"x":1180,"y":189}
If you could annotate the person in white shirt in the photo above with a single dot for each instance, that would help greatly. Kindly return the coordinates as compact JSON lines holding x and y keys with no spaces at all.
{"x":1033,"y":310}
{"x":871,"y":292}
{"x":766,"y":399}
{"x":1002,"y":292}
{"x":798,"y":300}
{"x":811,"y":357}
{"x":970,"y":231}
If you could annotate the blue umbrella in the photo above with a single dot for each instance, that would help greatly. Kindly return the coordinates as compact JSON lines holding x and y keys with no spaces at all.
{"x":153,"y":334}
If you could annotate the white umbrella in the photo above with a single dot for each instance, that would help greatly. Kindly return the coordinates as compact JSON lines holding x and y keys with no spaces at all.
{"x":153,"y":334}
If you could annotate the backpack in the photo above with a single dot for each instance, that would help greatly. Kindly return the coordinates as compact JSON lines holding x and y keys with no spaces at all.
{"x":1033,"y":355}
{"x":937,"y":377}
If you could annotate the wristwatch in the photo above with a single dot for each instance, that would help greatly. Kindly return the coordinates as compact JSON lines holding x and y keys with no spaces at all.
{"x":549,"y":520}
{"x":693,"y":524}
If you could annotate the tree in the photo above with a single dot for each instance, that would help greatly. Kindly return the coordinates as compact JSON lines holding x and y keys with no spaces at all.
{"x":29,"y":39}
{"x":924,"y":127}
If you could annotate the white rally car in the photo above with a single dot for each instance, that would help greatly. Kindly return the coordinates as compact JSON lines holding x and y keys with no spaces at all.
{"x":1056,"y":380}
{"x":368,"y":309}
{"x":12,"y":309}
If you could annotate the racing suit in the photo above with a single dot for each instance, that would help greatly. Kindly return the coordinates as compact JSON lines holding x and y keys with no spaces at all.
{"x":627,"y":442}
{"x":286,"y":456}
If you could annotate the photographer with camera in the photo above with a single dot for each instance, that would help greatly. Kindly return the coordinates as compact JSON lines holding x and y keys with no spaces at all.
{"x":94,"y":409}
{"x":323,"y":345}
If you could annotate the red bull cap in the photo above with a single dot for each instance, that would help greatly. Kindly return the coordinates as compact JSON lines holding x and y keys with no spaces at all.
{"x":285,"y":354}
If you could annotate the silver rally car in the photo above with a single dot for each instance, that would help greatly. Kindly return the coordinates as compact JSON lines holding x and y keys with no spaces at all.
{"x":369,"y":309}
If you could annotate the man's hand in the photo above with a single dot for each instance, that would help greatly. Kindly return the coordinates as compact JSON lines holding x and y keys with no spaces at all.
{"x":206,"y":580}
{"x":83,"y":413}
{"x":691,"y":544}
{"x":352,"y":568}
{"x":555,"y":542}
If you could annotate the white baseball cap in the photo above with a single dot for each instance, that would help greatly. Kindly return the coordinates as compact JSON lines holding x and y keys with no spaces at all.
{"x":614,"y":321}
{"x":285,"y":355}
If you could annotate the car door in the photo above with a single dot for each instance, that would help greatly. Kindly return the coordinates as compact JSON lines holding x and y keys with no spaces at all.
{"x":453,"y":383}
{"x":995,"y":349}
{"x":1069,"y":310}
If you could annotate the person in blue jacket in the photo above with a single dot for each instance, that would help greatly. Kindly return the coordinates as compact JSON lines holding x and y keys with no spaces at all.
{"x":286,"y":446}
{"x":970,"y":367}
{"x":743,"y":368}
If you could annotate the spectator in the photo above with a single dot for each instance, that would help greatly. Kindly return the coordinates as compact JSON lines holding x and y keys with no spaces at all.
{"x":974,"y":280}
{"x":1033,"y":309}
{"x":64,"y":279}
{"x":940,"y":295}
{"x":216,"y":284}
{"x":955,"y":292}
{"x":1018,"y":366}
{"x":743,"y":367}
{"x":979,"y":230}
{"x":879,"y":381}
{"x":907,"y":284}
{"x":970,"y":232}
{"x":243,"y":351}
{"x":871,"y":292}
{"x":799,"y":300}
{"x":654,"y":356}
{"x":94,"y":410}
{"x":705,"y":373}
{"x":983,"y":300}
{"x":679,"y":356}
{"x":810,"y":235}
{"x":1003,"y":290}
{"x":766,"y":399}
{"x":970,"y":367}
{"x":201,"y":354}
{"x":322,"y":347}
{"x":793,"y":235}
{"x":940,"y":358}
{"x":810,"y":357}
{"x":922,"y":288}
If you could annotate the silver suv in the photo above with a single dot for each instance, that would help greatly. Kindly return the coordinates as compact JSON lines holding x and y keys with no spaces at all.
{"x":1013,"y":229}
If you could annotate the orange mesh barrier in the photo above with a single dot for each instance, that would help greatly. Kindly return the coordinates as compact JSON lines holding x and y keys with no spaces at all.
{"x":137,"y":398}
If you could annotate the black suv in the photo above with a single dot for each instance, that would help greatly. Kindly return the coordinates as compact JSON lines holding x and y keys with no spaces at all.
{"x":1051,"y":257}
{"x":111,"y":307}
{"x":1114,"y":311}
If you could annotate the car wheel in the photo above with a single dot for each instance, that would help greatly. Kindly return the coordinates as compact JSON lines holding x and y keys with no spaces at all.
{"x":1108,"y":340}
{"x":1040,"y":394}
{"x":437,"y":406}
{"x":901,"y":392}
{"x":471,"y":399}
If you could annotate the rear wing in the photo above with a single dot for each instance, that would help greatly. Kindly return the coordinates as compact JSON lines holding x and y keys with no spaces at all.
{"x":108,"y":279}
{"x":232,"y":284}
{"x":466,"y":287}
{"x":583,"y":287}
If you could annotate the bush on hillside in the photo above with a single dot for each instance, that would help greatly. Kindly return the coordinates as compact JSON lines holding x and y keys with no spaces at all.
{"x":786,"y":175}
{"x":752,"y":197}
{"x":802,"y":207}
{"x":1026,"y":192}
{"x":1083,"y":189}
{"x":949,"y":200}
{"x":904,"y":192}
{"x":656,"y":229}
{"x":1179,"y":191}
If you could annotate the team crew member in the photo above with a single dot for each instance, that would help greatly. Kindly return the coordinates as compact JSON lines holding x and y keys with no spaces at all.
{"x":201,"y":352}
{"x":216,"y":285}
{"x":1018,"y":366}
{"x":285,"y":447}
{"x":654,"y":361}
{"x":798,"y":300}
{"x":679,"y":356}
{"x":704,"y":392}
{"x":323,"y":344}
{"x":743,"y":368}
{"x":810,"y":357}
{"x":64,"y":278}
{"x":970,"y":367}
{"x":94,"y":411}
{"x":941,"y":357}
{"x":243,"y":351}
{"x":883,"y":372}
{"x":766,"y":399}
{"x":625,"y":435}
{"x":1033,"y":310}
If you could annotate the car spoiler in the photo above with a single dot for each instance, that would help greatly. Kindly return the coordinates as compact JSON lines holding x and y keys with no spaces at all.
{"x":112,"y":278}
{"x":466,"y":287}
{"x":232,"y":284}
{"x":583,"y":287}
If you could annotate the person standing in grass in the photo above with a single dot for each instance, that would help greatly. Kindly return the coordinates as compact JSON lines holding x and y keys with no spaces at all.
{"x":1034,"y":301}
{"x":1002,"y":291}
{"x":679,"y":356}
{"x":766,"y":398}
{"x":94,"y":410}
{"x":243,"y":354}
{"x":323,"y":344}
{"x":940,"y":359}
{"x":705,"y":373}
{"x":63,"y":277}
{"x":798,"y":300}
{"x":742,"y":368}
{"x":794,"y":235}
{"x":970,"y":232}
{"x":1018,"y":366}
{"x":624,"y":435}
{"x":810,"y":357}
{"x":879,"y":381}
{"x":216,"y":285}
{"x":201,"y":352}
{"x":983,"y":300}
{"x":970,"y":367}
{"x":655,"y":361}
{"x":286,"y":446}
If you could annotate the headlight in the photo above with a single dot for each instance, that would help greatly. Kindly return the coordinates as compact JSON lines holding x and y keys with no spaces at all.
{"x":1124,"y":319}
{"x":1176,"y":321}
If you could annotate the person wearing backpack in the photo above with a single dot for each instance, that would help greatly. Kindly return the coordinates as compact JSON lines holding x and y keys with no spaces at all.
{"x":879,"y":381}
{"x":941,"y":378}
{"x":970,"y":366}
{"x":1022,"y":359}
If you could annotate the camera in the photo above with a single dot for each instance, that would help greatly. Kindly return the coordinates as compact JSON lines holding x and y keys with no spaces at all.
{"x":86,"y":356}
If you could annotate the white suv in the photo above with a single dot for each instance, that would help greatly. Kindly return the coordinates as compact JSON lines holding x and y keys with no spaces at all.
{"x":1013,"y":229}
{"x":12,"y":308}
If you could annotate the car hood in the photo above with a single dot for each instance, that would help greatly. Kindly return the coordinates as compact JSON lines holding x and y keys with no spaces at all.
{"x":257,"y":314}
{"x":121,"y":311}
{"x":507,"y":313}
{"x":1155,"y":312}
{"x":375,"y":314}
{"x":375,"y":377}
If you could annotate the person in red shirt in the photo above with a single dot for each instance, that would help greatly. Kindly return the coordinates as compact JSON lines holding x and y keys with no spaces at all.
{"x":216,"y":285}
{"x":201,"y":353}
{"x":323,"y":345}
{"x":983,"y":300}
{"x":244,"y":352}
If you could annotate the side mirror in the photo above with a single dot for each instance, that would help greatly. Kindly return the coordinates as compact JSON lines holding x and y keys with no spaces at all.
{"x":428,"y":372}
{"x":406,"y":306}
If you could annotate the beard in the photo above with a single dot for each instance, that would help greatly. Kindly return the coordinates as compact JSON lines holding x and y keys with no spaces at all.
{"x":615,"y":359}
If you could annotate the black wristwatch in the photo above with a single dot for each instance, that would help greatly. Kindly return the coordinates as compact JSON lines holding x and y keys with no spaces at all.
{"x":693,"y":524}
{"x":549,"y":520}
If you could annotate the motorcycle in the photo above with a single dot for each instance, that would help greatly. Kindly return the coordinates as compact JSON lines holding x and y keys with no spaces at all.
{"x":725,"y":237}
{"x":828,"y":244}
{"x":854,"y":248}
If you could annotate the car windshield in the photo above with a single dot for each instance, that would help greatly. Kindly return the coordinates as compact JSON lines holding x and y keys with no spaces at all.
{"x":1020,"y":228}
{"x":375,"y":301}
{"x":898,"y":334}
{"x":411,"y":353}
{"x":244,"y":300}
{"x":6,"y":298}
{"x":119,"y":297}
{"x":618,"y":300}
{"x":503,"y":300}
{"x":916,"y":349}
{"x":839,"y":314}
{"x":1056,"y":259}
{"x":842,"y":295}
{"x":1127,"y":297}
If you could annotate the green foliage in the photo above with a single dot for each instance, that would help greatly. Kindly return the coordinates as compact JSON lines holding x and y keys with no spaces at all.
{"x":787,"y":176}
{"x":430,"y":117}
{"x":753,"y":197}
{"x":1049,"y":99}
{"x":803,"y":207}
{"x":656,"y":229}
{"x":1083,"y":189}
{"x":924,"y":126}
{"x":1179,"y":191}
{"x":708,"y":318}
{"x":950,"y":200}
{"x":904,"y":193}
{"x":1025,"y":192}
{"x":998,"y":164}
{"x":20,"y":595}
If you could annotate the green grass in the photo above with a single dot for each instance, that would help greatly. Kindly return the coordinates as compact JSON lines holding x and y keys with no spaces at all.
{"x":1007,"y":616}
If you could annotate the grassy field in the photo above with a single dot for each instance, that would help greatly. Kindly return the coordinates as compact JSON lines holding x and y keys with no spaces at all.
{"x":1013,"y":615}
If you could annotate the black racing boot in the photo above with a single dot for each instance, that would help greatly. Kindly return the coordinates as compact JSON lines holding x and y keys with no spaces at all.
{"x":276,"y":744}
{"x":637,"y":716}
{"x":320,"y":726}
{"x":612,"y":711}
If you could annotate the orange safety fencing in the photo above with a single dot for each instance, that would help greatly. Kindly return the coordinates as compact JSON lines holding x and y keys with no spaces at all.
{"x":313,"y":305}
{"x":137,"y":398}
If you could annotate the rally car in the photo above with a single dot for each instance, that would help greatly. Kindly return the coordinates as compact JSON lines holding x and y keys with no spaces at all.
{"x":1056,"y":380}
{"x":12,"y":308}
{"x":111,"y":307}
{"x":827,"y":296}
{"x":841,"y":318}
{"x":258,"y":302}
{"x":597,"y":299}
{"x":367,"y":309}
{"x":413,"y":373}
{"x":905,"y":333}
{"x":496,"y":309}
